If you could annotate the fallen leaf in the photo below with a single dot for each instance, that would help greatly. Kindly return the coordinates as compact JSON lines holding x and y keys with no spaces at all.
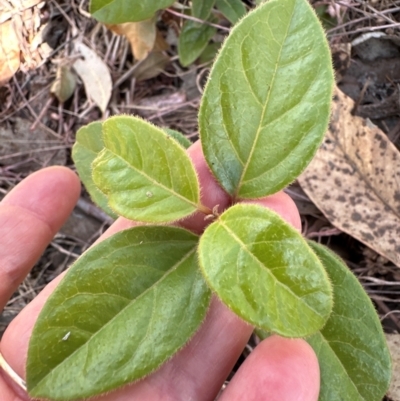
{"x":9,"y":52}
{"x":354,"y":180}
{"x":393,"y":341}
{"x":141,"y":35}
{"x":151,"y":66}
{"x":64,"y":85}
{"x":94,"y":74}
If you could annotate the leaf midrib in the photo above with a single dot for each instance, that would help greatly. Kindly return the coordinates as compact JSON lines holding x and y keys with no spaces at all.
{"x":156,"y":183}
{"x":166,"y":274}
{"x":253,"y":147}
{"x":341,"y":364}
{"x":245,"y":248}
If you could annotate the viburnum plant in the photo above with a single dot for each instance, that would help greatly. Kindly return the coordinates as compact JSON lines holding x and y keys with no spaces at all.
{"x":132,"y":301}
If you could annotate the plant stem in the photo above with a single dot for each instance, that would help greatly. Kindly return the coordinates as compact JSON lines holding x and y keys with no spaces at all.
{"x":204,"y":209}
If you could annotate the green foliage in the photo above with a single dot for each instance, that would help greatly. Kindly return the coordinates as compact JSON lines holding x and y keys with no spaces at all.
{"x":145,"y":175}
{"x":247,"y":258}
{"x":351,"y":348}
{"x":132,"y":301}
{"x":275,"y":65}
{"x":88,"y":144}
{"x":115,"y":312}
{"x":119,"y":11}
{"x":193,"y":40}
{"x":179,"y":137}
{"x":202,"y":8}
{"x":233,"y":10}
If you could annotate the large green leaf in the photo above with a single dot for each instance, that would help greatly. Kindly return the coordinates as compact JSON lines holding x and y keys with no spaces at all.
{"x":146,"y":175}
{"x":89,"y":143}
{"x":193,"y":40}
{"x":266,"y":105}
{"x":351,"y":348}
{"x":119,"y":11}
{"x":265,"y":272}
{"x":233,"y":10}
{"x":202,"y":8}
{"x":125,"y":307}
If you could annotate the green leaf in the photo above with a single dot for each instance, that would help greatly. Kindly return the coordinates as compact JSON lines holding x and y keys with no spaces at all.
{"x":146,"y":175}
{"x":119,"y":11}
{"x":266,"y":105}
{"x":210,"y":52}
{"x":265,"y":272}
{"x":202,"y":8}
{"x":89,"y":143}
{"x":193,"y":40}
{"x":233,"y":10}
{"x":351,"y":348}
{"x":125,"y":307}
{"x":178,"y":136}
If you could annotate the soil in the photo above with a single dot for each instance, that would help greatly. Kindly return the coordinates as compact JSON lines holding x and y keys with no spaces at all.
{"x":36,"y":130}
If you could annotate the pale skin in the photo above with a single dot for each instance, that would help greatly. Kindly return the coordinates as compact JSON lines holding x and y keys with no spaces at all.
{"x":277,"y":370}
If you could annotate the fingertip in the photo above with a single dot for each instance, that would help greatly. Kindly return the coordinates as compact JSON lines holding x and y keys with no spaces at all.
{"x":50,"y":194}
{"x":279,"y":369}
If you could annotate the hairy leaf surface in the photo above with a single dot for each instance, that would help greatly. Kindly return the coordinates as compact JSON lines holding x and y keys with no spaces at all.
{"x":178,"y":136}
{"x":146,"y":175}
{"x":233,"y":10}
{"x":124,"y":307}
{"x":89,"y":143}
{"x":265,"y":272}
{"x":193,"y":40}
{"x":119,"y":11}
{"x":266,"y":104}
{"x":351,"y":348}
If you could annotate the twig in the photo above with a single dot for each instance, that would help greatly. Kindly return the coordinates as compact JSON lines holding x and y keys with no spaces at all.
{"x":368,"y":29}
{"x":361,"y":97}
{"x":64,"y":251}
{"x":41,"y":114}
{"x":33,"y":151}
{"x":94,"y":211}
{"x":189,"y":17}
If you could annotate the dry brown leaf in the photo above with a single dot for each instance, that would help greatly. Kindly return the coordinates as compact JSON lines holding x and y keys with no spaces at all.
{"x":354,"y":180}
{"x":141,"y":35}
{"x":9,"y":52}
{"x":64,"y":85}
{"x":94,"y":74}
{"x":151,"y":66}
{"x":13,"y":7}
{"x":393,"y":341}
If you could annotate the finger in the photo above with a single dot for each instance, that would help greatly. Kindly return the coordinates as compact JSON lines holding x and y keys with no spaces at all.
{"x":225,"y":334}
{"x":30,"y":216}
{"x":282,"y":204}
{"x":211,"y":192}
{"x":279,"y":369}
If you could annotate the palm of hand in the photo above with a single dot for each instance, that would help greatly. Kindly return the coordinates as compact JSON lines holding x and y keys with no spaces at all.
{"x":278,"y":369}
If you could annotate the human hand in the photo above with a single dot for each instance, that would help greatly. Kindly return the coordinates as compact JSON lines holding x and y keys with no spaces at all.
{"x":278,"y":369}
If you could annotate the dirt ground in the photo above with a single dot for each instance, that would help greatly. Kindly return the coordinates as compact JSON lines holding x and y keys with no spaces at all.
{"x":37,"y":130}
